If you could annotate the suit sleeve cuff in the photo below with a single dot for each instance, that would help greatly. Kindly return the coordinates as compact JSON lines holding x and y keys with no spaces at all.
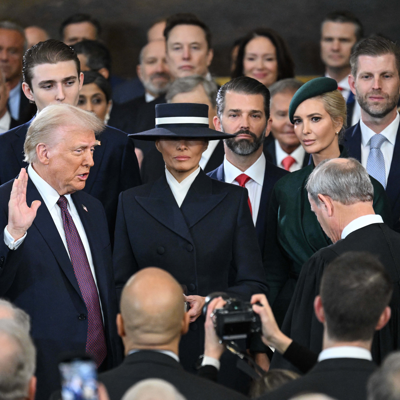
{"x":211,"y":361}
{"x":10,"y":242}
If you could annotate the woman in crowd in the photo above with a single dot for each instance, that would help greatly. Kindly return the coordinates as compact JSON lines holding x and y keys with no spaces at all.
{"x":95,"y":95}
{"x":264,"y":55}
{"x":318,"y":112}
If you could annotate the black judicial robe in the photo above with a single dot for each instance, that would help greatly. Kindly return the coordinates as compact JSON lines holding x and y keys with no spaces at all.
{"x":301,"y":323}
{"x":294,"y":234}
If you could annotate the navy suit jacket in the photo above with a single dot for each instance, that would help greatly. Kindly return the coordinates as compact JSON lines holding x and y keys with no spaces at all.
{"x":115,"y":166}
{"x":352,"y":142}
{"x":271,"y":151}
{"x":271,"y":175}
{"x":208,"y":244}
{"x":39,"y":278}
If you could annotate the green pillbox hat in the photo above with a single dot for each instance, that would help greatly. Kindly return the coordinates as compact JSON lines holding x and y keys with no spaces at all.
{"x":312,"y":88}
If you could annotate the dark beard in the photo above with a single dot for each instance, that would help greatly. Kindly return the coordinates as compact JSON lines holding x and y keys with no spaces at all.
{"x":378,"y":111}
{"x":244,"y":147}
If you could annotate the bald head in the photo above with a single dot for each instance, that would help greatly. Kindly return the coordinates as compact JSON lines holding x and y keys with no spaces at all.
{"x":152,"y":308}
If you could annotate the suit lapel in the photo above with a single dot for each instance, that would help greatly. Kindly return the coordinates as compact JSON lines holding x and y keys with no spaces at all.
{"x":200,"y":200}
{"x":97,"y":158}
{"x":162,"y":205}
{"x":46,"y":227}
{"x":352,"y":142}
{"x":268,"y":185}
{"x":18,"y":143}
{"x":393,"y":186}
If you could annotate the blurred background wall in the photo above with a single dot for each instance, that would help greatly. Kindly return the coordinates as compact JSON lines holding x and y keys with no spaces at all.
{"x":125,"y":23}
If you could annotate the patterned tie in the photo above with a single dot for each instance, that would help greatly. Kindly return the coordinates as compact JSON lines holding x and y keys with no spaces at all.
{"x":376,"y":161}
{"x":287,"y":162}
{"x":96,"y":341}
{"x":242,"y":179}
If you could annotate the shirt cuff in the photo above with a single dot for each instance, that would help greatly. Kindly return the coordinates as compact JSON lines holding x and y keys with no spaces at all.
{"x":10,"y":242}
{"x":211,"y":361}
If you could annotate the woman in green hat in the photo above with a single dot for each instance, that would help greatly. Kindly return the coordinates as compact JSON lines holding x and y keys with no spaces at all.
{"x":318,"y":112}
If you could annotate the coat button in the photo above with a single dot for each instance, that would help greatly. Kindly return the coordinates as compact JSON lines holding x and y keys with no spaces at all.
{"x":160,"y":250}
{"x":82,"y":317}
{"x":192,"y":287}
{"x":189,"y":247}
{"x":193,"y":326}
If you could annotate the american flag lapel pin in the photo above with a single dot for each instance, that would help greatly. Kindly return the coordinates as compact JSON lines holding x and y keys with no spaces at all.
{"x":84,"y":207}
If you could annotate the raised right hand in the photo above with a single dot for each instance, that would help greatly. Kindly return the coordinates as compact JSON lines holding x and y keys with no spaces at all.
{"x":20,"y":215}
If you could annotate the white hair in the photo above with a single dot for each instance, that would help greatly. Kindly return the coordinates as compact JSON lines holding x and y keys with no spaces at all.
{"x":153,"y":389}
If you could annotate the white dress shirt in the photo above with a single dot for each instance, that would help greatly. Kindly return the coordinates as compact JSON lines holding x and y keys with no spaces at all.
{"x":14,"y":100}
{"x":345,"y":352}
{"x":148,"y":97}
{"x":254,"y":185}
{"x":50,"y":198}
{"x":205,"y":157}
{"x":298,"y":155}
{"x":180,"y":190}
{"x":387,"y":148}
{"x":5,"y":122}
{"x":361,"y":222}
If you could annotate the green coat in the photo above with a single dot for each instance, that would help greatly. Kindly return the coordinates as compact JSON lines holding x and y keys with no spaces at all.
{"x":294,"y":234}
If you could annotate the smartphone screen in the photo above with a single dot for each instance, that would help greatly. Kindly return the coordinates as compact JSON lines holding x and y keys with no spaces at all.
{"x":79,"y":379}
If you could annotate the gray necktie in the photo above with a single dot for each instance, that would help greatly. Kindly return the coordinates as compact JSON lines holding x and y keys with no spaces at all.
{"x":376,"y":162}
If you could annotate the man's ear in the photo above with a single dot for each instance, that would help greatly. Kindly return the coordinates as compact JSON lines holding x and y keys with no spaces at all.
{"x":105,"y":72}
{"x":32,"y":388}
{"x":139,"y":72}
{"x":352,"y":83}
{"x":42,"y":153}
{"x":120,"y":326}
{"x":81,"y":78}
{"x":268,"y":128}
{"x":185,"y":323}
{"x":217,"y":123}
{"x":327,"y":203}
{"x":384,"y":318}
{"x":27,"y":91}
{"x":319,"y":309}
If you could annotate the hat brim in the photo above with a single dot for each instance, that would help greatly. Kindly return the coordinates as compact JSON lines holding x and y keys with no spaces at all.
{"x":181,"y":132}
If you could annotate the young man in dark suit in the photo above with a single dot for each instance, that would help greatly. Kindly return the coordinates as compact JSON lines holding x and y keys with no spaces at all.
{"x":151,"y":323}
{"x":55,"y":257}
{"x":341,"y":195}
{"x":375,"y":81}
{"x":352,"y":304}
{"x":243,"y":110}
{"x":52,"y":75}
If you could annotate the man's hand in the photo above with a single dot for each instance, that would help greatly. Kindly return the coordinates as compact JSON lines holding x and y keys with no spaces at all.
{"x":20,"y":216}
{"x":196,"y":306}
{"x":271,"y":334}
{"x":212,"y":347}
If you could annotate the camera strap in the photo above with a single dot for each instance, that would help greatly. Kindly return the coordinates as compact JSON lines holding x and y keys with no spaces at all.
{"x":245,"y":363}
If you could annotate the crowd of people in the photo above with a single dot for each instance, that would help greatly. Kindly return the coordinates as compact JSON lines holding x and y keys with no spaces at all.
{"x":124,"y":204}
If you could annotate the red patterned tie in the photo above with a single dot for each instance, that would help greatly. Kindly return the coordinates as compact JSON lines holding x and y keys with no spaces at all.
{"x":287,"y":162}
{"x":242,"y":179}
{"x":96,"y":341}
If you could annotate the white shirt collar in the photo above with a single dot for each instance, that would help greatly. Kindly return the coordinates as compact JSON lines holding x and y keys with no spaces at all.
{"x":180,"y":190}
{"x":255,"y":172}
{"x":212,"y":144}
{"x":345,"y":352}
{"x":49,"y":195}
{"x":297,"y":154}
{"x":5,"y":122}
{"x":390,"y":132}
{"x":361,"y":222}
{"x":166,"y":352}
{"x":148,"y":97}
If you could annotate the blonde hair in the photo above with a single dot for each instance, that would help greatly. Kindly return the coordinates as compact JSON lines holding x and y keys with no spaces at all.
{"x":335,"y":106}
{"x":44,"y":127}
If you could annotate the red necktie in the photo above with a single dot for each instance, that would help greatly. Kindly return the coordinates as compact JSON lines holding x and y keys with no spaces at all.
{"x":340,"y":88}
{"x":95,"y":341}
{"x":242,"y":179}
{"x":287,"y":162}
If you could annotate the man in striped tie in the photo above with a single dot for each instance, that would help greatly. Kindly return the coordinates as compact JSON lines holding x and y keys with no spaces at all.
{"x":55,"y":258}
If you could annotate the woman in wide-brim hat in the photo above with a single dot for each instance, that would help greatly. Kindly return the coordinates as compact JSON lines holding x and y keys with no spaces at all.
{"x":198,"y":229}
{"x":318,"y":112}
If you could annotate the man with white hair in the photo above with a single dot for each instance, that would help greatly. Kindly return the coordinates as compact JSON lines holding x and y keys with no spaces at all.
{"x":17,"y":362}
{"x":154,"y":389}
{"x":55,"y":257}
{"x":9,"y":311}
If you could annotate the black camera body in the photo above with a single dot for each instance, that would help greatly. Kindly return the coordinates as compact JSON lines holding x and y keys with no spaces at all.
{"x":236,"y":320}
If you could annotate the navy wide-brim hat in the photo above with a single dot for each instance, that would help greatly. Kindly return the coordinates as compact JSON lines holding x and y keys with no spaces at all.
{"x":311,"y":89}
{"x":181,"y":120}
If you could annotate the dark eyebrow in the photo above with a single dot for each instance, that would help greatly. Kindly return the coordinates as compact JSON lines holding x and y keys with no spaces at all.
{"x":53,"y":81}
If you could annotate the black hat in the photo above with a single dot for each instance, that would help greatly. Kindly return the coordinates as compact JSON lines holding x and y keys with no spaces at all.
{"x":181,"y":120}
{"x":312,"y":88}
